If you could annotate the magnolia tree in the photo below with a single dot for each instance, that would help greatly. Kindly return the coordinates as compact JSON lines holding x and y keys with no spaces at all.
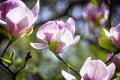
{"x":18,"y":21}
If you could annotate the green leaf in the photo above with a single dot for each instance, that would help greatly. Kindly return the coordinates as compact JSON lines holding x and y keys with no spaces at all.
{"x":53,"y":45}
{"x":94,"y":2}
{"x":12,"y":55}
{"x":106,"y":43}
{"x":118,"y":74}
{"x":7,"y":61}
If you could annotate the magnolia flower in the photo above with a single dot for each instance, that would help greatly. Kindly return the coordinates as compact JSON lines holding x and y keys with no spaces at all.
{"x":116,"y":61}
{"x":57,"y":35}
{"x":96,"y":15}
{"x":17,"y":18}
{"x":114,"y":35}
{"x":68,"y":76}
{"x":96,"y":70}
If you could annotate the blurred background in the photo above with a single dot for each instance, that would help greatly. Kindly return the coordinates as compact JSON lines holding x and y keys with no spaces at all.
{"x":44,"y":65}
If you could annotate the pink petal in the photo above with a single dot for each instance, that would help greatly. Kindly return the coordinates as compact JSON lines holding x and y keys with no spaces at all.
{"x":64,"y":36}
{"x":48,"y":28}
{"x":76,"y":40}
{"x":23,"y":18}
{"x":84,"y":70}
{"x":111,"y":70}
{"x":36,"y":8}
{"x":60,"y":24}
{"x":8,"y":5}
{"x":94,"y":70}
{"x":68,"y":76}
{"x":70,"y":25}
{"x":16,"y":15}
{"x":98,"y":70}
{"x":38,"y":45}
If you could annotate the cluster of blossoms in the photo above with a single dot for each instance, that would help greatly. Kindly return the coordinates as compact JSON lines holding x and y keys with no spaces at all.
{"x":18,"y":20}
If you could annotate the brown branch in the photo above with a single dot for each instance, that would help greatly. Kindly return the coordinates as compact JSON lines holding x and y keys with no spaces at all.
{"x":67,"y":65}
{"x":7,"y":68}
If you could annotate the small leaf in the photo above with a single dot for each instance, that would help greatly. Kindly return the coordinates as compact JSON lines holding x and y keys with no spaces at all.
{"x":94,"y":2}
{"x":118,"y":74}
{"x":7,"y":61}
{"x":53,"y":45}
{"x":12,"y":55}
{"x":106,"y":43}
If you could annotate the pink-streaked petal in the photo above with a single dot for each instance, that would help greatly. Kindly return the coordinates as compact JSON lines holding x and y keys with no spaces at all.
{"x":68,"y":76}
{"x":26,"y":22}
{"x":48,"y":28}
{"x":70,"y":25}
{"x":39,"y":45}
{"x":16,"y":15}
{"x":98,"y":70}
{"x":8,"y":5}
{"x":76,"y":40}
{"x":94,"y":70}
{"x":60,"y":24}
{"x":23,"y":18}
{"x":85,"y":68}
{"x":111,"y":70}
{"x":64,"y":36}
{"x":11,"y":27}
{"x":36,"y":8}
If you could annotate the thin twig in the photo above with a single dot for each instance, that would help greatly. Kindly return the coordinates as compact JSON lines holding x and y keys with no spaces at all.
{"x":67,"y":65}
{"x":28,"y":56}
{"x":110,"y":4}
{"x":9,"y":43}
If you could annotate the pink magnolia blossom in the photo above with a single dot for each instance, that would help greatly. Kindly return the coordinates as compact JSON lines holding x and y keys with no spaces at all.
{"x":116,"y":61}
{"x":95,"y":14}
{"x":114,"y":35}
{"x":17,"y":18}
{"x":96,"y":70}
{"x":56,"y":35}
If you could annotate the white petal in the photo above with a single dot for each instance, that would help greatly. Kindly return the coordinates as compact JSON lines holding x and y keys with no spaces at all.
{"x":64,"y":36}
{"x":75,"y":41}
{"x":68,"y":76}
{"x":84,"y":69}
{"x":17,"y":14}
{"x":49,"y":28}
{"x":38,"y":45}
{"x":70,"y":24}
{"x":111,"y":70}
